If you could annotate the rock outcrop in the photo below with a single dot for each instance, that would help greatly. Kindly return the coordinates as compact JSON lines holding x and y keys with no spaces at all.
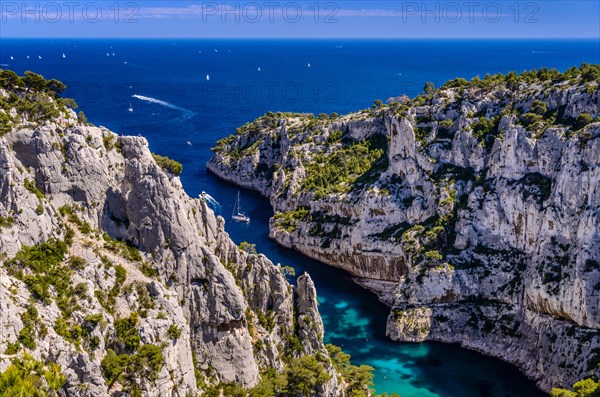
{"x":472,"y":210}
{"x":104,"y":254}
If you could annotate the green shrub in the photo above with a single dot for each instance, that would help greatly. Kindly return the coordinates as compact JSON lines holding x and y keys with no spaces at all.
{"x":539,"y":107}
{"x":288,"y":221}
{"x":582,"y":120}
{"x":82,"y":118}
{"x":123,"y":248}
{"x":7,"y":221}
{"x":32,"y":328}
{"x":77,"y":262}
{"x":335,"y":136}
{"x":127,"y":333}
{"x":304,"y":375}
{"x":485,"y":130}
{"x":583,"y":388}
{"x":433,"y":255}
{"x":130,"y":369}
{"x":168,"y":165}
{"x":248,"y":247}
{"x":30,"y":185}
{"x":29,"y":377}
{"x":5,"y":123}
{"x":174,"y":332}
{"x":339,"y":171}
{"x":45,"y":269}
{"x":358,"y":378}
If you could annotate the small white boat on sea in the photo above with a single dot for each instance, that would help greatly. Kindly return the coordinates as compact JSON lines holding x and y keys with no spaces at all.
{"x":64,"y":56}
{"x":237,"y":214}
{"x":207,"y":77}
{"x":107,"y":54}
{"x":130,"y":108}
{"x":39,"y":57}
{"x":27,"y":56}
{"x":309,"y":64}
{"x":11,"y":58}
{"x":210,"y":200}
{"x":259,"y":69}
{"x":189,"y":143}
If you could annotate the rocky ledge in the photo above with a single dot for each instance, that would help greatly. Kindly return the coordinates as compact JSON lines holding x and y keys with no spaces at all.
{"x":121,"y":284}
{"x":472,"y":210}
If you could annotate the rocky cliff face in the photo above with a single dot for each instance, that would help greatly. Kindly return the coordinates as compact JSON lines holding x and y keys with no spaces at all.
{"x":472,"y":210}
{"x":110,"y":270}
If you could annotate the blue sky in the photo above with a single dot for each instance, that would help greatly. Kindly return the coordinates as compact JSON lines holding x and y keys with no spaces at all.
{"x":301,"y":19}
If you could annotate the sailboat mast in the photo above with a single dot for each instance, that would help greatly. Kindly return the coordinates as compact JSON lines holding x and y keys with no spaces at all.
{"x":236,"y":205}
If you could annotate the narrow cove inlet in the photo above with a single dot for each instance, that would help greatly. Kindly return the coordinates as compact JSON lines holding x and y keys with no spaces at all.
{"x":355,"y":320}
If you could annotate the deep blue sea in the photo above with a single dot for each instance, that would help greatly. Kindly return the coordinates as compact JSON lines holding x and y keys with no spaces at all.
{"x":182,"y":114}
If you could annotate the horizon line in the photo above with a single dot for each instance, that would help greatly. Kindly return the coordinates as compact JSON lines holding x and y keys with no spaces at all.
{"x":303,"y":38}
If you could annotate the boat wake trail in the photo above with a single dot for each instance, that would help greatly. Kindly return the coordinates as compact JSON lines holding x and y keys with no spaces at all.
{"x":211,"y":201}
{"x":186,"y":113}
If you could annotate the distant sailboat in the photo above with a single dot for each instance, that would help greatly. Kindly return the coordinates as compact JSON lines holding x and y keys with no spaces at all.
{"x":189,"y":143}
{"x":259,"y":69}
{"x":216,"y":50}
{"x":238,"y":215}
{"x":113,"y":54}
{"x":309,"y":64}
{"x":207,"y":77}
{"x":130,"y":108}
{"x":64,"y":56}
{"x":11,"y":58}
{"x":107,"y":54}
{"x":27,"y":56}
{"x":39,"y":57}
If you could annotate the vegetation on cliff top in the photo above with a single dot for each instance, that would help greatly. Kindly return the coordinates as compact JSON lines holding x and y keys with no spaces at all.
{"x":34,"y":98}
{"x":168,"y":165}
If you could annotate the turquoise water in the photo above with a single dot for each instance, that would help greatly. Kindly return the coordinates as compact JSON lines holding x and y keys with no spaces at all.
{"x":182,"y":115}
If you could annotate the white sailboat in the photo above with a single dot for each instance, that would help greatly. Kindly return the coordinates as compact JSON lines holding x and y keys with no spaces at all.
{"x":259,"y":69}
{"x":130,"y":108}
{"x":11,"y":58}
{"x":237,"y":214}
{"x":64,"y":56}
{"x":207,"y":77}
{"x":39,"y":57}
{"x":309,"y":64}
{"x":27,"y":56}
